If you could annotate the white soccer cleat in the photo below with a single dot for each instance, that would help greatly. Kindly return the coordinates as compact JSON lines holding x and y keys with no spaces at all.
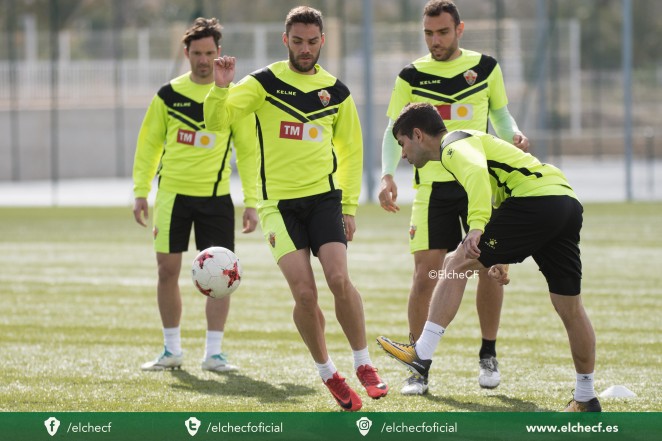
{"x":166,"y":360}
{"x":489,"y":376}
{"x":415,"y":385}
{"x":217,"y":363}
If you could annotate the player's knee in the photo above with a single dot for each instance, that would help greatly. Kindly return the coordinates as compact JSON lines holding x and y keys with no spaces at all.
{"x":453,"y":261}
{"x":339,"y":283}
{"x":424,"y":281}
{"x":569,"y":308}
{"x":305,"y":297}
{"x":425,"y":274}
{"x":168,"y":273}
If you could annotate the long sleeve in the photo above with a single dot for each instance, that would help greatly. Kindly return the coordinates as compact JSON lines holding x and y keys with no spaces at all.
{"x":245,"y":143}
{"x":391,"y":151}
{"x":504,"y":124}
{"x":466,"y":160}
{"x":223,"y":107}
{"x":348,"y":142}
{"x":149,"y":147}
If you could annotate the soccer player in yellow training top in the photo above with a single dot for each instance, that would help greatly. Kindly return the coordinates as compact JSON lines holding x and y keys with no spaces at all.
{"x":465,"y":87}
{"x":311,"y":158}
{"x":192,"y":163}
{"x":537,"y":214}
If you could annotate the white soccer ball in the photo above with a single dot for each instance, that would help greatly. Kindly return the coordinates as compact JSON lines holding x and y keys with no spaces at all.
{"x":216,"y":272}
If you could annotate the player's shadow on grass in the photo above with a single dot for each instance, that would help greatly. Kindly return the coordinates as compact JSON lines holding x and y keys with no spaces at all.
{"x":235,"y":384}
{"x":507,"y":404}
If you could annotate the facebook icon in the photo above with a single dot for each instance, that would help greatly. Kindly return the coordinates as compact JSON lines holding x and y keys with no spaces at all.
{"x":52,"y":424}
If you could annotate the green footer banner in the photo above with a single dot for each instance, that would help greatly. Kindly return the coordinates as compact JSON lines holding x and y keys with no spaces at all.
{"x":195,"y":426}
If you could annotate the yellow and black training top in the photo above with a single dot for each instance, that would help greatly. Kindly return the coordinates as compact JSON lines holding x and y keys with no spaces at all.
{"x":188,"y":158}
{"x":463,"y":90}
{"x":308,"y":129}
{"x":491,"y":170}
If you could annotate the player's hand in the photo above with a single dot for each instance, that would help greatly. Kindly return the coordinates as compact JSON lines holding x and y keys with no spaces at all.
{"x":499,"y":272}
{"x":224,"y":70}
{"x":521,"y":142}
{"x":249,"y":220}
{"x":470,"y":244}
{"x":350,"y":226}
{"x":388,"y":194}
{"x":141,"y":211}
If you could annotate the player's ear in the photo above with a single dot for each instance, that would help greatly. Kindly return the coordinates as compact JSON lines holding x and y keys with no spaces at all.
{"x":285,"y":38}
{"x":322,"y":40}
{"x":459,"y":30}
{"x":417,"y":135}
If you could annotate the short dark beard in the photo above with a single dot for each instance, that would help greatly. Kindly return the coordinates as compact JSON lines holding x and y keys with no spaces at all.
{"x":447,"y":54}
{"x":298,"y":66}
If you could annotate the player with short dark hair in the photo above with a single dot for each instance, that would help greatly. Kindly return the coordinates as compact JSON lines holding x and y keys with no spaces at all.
{"x":192,"y":164}
{"x":311,"y":160}
{"x":466,"y":88}
{"x":537,"y":214}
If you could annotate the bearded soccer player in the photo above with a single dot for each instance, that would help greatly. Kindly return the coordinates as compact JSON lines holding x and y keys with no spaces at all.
{"x":311,"y":159}
{"x":465,"y":87}
{"x":192,"y":163}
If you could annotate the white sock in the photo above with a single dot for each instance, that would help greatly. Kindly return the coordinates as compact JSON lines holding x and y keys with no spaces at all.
{"x":326,"y":370}
{"x":213,"y":343}
{"x":429,"y":339}
{"x":172,"y":340}
{"x":584,"y":388}
{"x":361,"y":357}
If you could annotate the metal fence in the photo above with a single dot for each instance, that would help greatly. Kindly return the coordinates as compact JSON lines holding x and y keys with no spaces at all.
{"x":71,"y":116}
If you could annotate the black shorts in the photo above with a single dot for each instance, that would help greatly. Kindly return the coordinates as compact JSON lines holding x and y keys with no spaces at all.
{"x":307,"y":222}
{"x":439,"y":214}
{"x":544,"y":227}
{"x":211,"y":217}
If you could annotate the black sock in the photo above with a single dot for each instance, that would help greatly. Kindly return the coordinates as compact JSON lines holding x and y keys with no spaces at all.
{"x":487,"y":349}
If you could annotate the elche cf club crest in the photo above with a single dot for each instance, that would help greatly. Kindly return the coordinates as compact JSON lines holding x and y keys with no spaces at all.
{"x":324,"y":96}
{"x":470,"y":76}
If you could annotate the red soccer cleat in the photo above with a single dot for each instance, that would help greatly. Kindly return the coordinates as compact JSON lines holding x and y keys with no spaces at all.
{"x":374,"y":385}
{"x":346,"y":397}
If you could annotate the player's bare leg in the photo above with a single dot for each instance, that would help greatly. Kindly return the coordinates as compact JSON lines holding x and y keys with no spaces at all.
{"x":579,"y":329}
{"x":350,"y":315}
{"x":348,"y":303}
{"x":217,"y":311}
{"x":489,"y":299}
{"x":307,"y":315}
{"x":445,"y":303}
{"x":425,"y":262}
{"x":582,"y":347}
{"x":167,"y":290}
{"x":170,"y":307}
{"x":448,"y":293}
{"x":310,"y":322}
